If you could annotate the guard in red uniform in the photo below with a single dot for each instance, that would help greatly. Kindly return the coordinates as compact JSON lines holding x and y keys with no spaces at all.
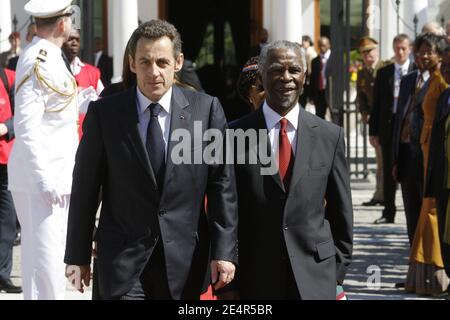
{"x":87,"y":75}
{"x":7,"y":211}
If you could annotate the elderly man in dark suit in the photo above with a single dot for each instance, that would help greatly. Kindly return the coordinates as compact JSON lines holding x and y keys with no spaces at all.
{"x":153,"y":237}
{"x":386,"y":93}
{"x":295,"y":223}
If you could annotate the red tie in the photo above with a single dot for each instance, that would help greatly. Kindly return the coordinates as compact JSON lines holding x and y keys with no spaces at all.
{"x":321,"y":86}
{"x":285,"y":155}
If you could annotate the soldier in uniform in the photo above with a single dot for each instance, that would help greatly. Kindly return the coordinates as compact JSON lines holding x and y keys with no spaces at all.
{"x":368,"y":48}
{"x":43,"y":156}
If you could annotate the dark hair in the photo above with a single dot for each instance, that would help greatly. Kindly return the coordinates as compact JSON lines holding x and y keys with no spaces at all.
{"x":308,"y":38}
{"x":401,"y":37}
{"x":153,"y":30}
{"x":128,"y":77}
{"x":247,"y":78}
{"x":433,"y":40}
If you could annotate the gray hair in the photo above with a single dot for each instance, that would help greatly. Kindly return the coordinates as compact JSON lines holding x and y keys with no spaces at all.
{"x":280,"y":44}
{"x":433,"y":27}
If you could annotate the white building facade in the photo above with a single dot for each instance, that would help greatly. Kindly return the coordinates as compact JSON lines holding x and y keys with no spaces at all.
{"x":284,"y":19}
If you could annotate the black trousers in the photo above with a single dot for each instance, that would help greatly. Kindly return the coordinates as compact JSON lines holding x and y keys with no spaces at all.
{"x":153,"y":283}
{"x":321,"y":104}
{"x":389,"y":184}
{"x":7,"y":225}
{"x":410,"y":175}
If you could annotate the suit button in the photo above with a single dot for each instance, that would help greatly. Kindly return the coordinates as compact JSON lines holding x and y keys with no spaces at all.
{"x":162,"y":213}
{"x":286,"y":228}
{"x":283,"y":197}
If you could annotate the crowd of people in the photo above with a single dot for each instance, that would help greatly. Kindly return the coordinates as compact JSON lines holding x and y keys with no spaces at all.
{"x":72,"y":144}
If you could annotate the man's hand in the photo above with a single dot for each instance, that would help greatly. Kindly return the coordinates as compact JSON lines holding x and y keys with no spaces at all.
{"x":50,"y":195}
{"x":222,"y":273}
{"x":78,"y":276}
{"x":3,"y":129}
{"x":374,"y":141}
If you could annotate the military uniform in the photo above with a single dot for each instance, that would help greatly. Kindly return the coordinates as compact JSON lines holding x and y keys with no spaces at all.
{"x":42,"y":158}
{"x":364,"y":103}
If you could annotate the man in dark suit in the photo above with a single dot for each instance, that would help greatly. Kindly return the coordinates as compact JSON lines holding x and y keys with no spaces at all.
{"x":153,"y":235}
{"x":320,"y":77}
{"x":295,"y":225}
{"x":407,"y":153}
{"x":103,"y":62}
{"x":386,"y":94}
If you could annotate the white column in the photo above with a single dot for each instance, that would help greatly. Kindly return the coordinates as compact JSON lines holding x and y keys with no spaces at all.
{"x":287,"y":20}
{"x":5,"y":24}
{"x":267,"y":17}
{"x":308,"y":18}
{"x":410,"y":9}
{"x":148,"y":10}
{"x":124,"y":21}
{"x":388,"y":29}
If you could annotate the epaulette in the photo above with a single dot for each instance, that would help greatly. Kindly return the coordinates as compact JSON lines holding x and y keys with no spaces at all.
{"x":42,"y":56}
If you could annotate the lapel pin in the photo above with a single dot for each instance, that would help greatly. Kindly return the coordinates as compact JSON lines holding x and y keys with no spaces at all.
{"x":182,"y":117}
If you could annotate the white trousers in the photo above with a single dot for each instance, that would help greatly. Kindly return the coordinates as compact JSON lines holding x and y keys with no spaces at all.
{"x":43,"y":244}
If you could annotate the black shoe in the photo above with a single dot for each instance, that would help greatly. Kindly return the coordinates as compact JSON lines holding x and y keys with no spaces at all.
{"x":383,"y":220}
{"x":9,"y":287}
{"x":400,"y":285}
{"x":372,"y":203}
{"x":17,"y":239}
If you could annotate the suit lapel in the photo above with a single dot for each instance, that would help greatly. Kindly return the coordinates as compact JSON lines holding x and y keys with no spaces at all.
{"x":391,"y":81}
{"x":180,"y":118}
{"x":305,"y":143}
{"x":261,"y":125}
{"x":422,"y":92}
{"x":131,"y":130}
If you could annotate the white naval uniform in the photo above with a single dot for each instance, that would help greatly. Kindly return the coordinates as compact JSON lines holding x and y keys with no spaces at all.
{"x":42,"y":158}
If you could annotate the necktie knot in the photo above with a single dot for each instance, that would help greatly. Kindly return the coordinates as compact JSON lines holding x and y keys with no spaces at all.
{"x":284,"y":124}
{"x":155,"y":109}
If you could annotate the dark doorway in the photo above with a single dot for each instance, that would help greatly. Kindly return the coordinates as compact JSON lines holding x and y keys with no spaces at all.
{"x":216,"y":36}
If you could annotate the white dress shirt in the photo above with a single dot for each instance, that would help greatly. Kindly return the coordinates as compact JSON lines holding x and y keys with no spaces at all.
{"x":400,"y":71}
{"x":273,"y":126}
{"x":163,"y":118}
{"x":325,"y":58}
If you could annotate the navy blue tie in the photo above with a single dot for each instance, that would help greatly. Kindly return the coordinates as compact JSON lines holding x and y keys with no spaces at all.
{"x":156,"y":148}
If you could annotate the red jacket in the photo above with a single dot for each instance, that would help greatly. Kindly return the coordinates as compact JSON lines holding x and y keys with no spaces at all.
{"x":89,"y":76}
{"x":6,"y":117}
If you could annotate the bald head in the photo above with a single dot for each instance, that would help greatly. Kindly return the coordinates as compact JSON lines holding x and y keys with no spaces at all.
{"x":324,"y":44}
{"x":433,"y":27}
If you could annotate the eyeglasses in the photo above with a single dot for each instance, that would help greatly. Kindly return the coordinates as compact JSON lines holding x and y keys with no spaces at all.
{"x":426,"y":53}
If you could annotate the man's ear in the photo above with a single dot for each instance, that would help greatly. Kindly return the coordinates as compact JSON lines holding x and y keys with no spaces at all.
{"x":132,"y":63}
{"x":179,"y":61}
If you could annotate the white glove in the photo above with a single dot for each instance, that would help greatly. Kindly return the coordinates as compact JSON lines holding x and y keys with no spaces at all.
{"x":85,"y":97}
{"x":50,"y":195}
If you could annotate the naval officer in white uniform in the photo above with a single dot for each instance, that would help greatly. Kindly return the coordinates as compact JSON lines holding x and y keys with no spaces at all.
{"x":42,"y":159}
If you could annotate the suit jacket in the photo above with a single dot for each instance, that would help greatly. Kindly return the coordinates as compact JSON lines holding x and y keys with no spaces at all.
{"x":296,"y":226}
{"x":135,"y":215}
{"x":407,"y":88}
{"x":315,"y":76}
{"x":105,"y":64}
{"x":381,"y":119}
{"x":436,"y":177}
